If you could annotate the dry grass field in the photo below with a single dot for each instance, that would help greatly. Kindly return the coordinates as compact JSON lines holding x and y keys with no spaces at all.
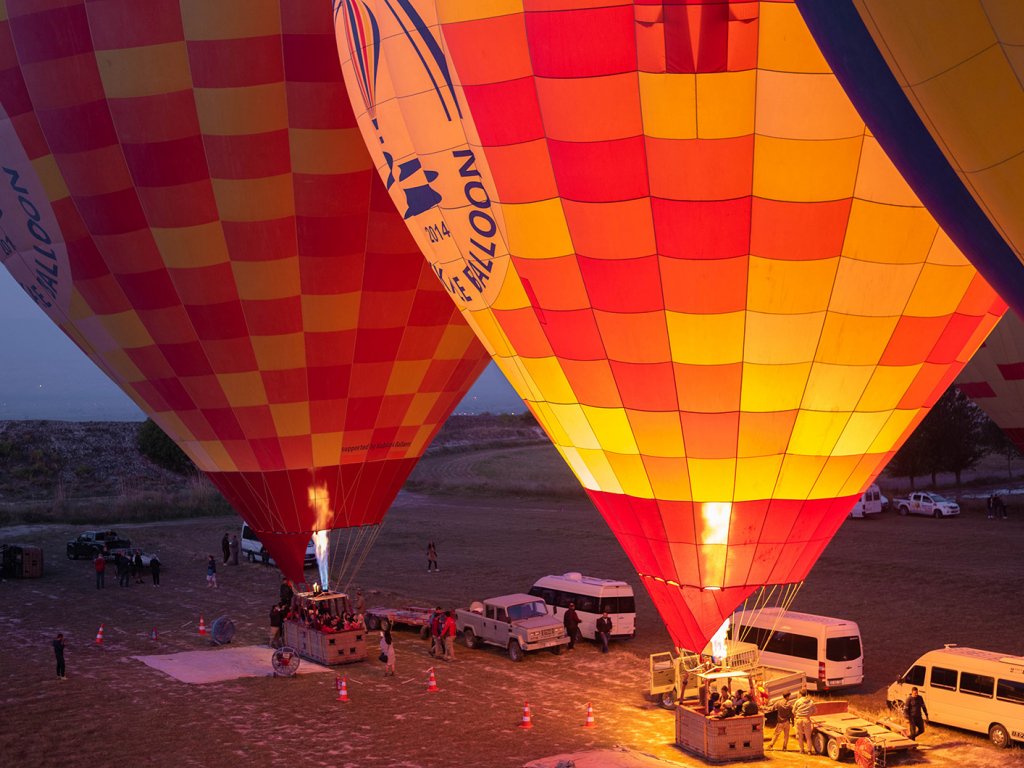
{"x":911,"y":583}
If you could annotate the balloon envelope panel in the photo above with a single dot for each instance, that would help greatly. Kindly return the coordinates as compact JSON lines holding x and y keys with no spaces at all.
{"x":994,"y":377}
{"x":941,"y":88}
{"x":223,"y":249}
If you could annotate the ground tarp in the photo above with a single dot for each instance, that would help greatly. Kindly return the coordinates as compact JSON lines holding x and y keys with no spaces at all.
{"x":215,"y":666}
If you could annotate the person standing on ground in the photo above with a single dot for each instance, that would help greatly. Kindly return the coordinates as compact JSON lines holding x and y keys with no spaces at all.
{"x":58,"y":651}
{"x":233,"y":548}
{"x":604,"y":630}
{"x":211,"y":572}
{"x":803,"y":708}
{"x":225,"y":547}
{"x":137,"y":567}
{"x":436,"y":628}
{"x":916,"y":712}
{"x":783,"y":722}
{"x":449,"y":631}
{"x":432,"y":557}
{"x":154,"y":569}
{"x":276,"y":622}
{"x":387,"y":652}
{"x":101,"y":567}
{"x":287,"y":593}
{"x":123,"y":570}
{"x":571,"y":620}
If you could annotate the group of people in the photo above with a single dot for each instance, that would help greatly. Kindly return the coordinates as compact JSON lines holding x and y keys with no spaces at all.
{"x":129,"y":568}
{"x":442,"y":634}
{"x":229,"y":547}
{"x":798,"y":712}
{"x":996,"y":507}
{"x":723,"y":704}
{"x":602,"y":628}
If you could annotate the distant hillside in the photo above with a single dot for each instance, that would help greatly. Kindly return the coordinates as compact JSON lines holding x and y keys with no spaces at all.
{"x":47,"y":460}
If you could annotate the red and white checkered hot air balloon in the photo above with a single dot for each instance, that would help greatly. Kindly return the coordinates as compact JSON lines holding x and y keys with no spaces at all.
{"x":186,"y":194}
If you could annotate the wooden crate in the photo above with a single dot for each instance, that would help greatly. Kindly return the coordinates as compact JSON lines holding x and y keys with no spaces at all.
{"x":326,"y":648}
{"x":720,"y":741}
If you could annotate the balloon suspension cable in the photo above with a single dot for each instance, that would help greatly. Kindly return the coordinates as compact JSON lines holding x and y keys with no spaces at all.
{"x":774,"y":596}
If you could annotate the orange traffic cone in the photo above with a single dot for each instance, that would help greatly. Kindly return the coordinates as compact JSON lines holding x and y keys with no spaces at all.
{"x":99,"y":635}
{"x":342,"y":685}
{"x":202,"y":626}
{"x":152,"y":635}
{"x":527,"y":723}
{"x":432,"y":683}
{"x":590,"y":717}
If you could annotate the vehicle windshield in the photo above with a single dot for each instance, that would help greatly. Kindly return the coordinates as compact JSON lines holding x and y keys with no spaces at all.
{"x":527,"y":610}
{"x":941,"y":499}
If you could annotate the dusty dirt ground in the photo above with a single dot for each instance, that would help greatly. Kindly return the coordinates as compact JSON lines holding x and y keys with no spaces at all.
{"x":911,"y":583}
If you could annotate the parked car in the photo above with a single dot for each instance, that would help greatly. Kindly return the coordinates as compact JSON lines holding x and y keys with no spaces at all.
{"x":518,"y":623}
{"x":91,"y":543}
{"x":927,"y":503}
{"x":252,"y":548}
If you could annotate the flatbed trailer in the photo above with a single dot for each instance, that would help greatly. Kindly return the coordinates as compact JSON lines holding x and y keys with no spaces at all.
{"x":380,"y":617}
{"x":838,"y":732}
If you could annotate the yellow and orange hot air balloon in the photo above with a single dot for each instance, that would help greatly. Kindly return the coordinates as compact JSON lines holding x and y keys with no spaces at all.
{"x":942,"y":87}
{"x":676,"y":237}
{"x":185,"y":192}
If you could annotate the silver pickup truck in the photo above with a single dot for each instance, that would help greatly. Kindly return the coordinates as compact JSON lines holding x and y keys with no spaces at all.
{"x":518,"y":623}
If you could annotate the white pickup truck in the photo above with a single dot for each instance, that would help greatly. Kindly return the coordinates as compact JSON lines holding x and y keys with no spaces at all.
{"x":518,"y":623}
{"x":927,"y":503}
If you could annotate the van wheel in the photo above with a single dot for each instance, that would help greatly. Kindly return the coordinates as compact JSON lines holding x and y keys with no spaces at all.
{"x":469,"y":638}
{"x":667,"y":700}
{"x":834,"y":750}
{"x":250,"y":557}
{"x":515,"y":650}
{"x":818,"y":742}
{"x":999,"y":736}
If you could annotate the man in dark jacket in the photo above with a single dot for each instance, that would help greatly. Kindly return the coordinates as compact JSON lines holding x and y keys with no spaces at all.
{"x":571,"y":620}
{"x":287,"y":593}
{"x":916,"y":711}
{"x":276,"y":621}
{"x":604,"y":630}
{"x":154,"y":569}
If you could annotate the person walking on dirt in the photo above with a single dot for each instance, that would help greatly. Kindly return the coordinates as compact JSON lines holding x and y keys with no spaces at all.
{"x":604,"y":630}
{"x":58,"y":651}
{"x":123,"y":570}
{"x":154,"y":569}
{"x":387,"y":652}
{"x":432,"y":557}
{"x":448,"y":631}
{"x":916,"y":712}
{"x":783,"y":722}
{"x":233,"y":549}
{"x":101,"y":567}
{"x":571,"y":620}
{"x":211,"y":572}
{"x":137,"y":567}
{"x":225,"y":547}
{"x":803,"y":708}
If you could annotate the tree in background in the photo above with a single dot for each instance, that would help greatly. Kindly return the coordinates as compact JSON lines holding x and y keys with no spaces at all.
{"x":998,"y":442}
{"x":950,"y":439}
{"x":156,"y":446}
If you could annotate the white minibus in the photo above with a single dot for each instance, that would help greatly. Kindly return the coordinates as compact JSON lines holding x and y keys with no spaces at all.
{"x":828,"y":651}
{"x":871,"y":502}
{"x":252,"y":548}
{"x":592,"y":597}
{"x":979,"y":691}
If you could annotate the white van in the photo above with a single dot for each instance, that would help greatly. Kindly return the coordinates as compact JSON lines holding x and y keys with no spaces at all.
{"x":828,"y":651}
{"x":592,"y":597}
{"x":871,"y":502}
{"x":252,"y":548}
{"x":979,"y":691}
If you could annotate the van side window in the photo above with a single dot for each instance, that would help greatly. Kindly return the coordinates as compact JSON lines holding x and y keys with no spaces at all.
{"x":805,"y":647}
{"x":1010,"y":690}
{"x":915,"y":675}
{"x":586,"y":604}
{"x":562,"y":599}
{"x":944,"y":678}
{"x":976,"y":685}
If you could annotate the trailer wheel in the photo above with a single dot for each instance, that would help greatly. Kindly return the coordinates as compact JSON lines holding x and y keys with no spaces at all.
{"x":515,"y":650}
{"x":999,"y":736}
{"x":818,"y":742}
{"x":834,"y":750}
{"x":469,"y":637}
{"x":424,"y":633}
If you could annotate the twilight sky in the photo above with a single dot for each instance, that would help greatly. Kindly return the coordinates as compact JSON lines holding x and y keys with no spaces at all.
{"x":44,"y":376}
